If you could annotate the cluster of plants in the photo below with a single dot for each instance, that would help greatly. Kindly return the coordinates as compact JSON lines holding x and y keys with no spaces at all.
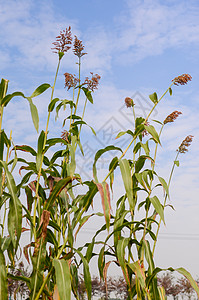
{"x":56,"y":208}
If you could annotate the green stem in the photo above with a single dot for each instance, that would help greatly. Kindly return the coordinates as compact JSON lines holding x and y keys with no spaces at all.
{"x":39,"y":172}
{"x":158,"y":102}
{"x":82,"y":117}
{"x":153,"y":166}
{"x":3,"y":180}
{"x":79,"y":89}
{"x":171,"y":174}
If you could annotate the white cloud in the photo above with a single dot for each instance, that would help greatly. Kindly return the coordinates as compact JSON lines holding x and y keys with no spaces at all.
{"x":148,"y":28}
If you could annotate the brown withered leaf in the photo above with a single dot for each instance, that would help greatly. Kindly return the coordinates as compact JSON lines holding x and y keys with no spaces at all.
{"x":56,"y":293}
{"x":103,"y":189}
{"x":25,"y":251}
{"x":45,"y":218}
{"x":32,"y":185}
{"x":105,"y":274}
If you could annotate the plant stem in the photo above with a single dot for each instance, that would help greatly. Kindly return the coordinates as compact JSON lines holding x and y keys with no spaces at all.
{"x":39,"y":172}
{"x":153,"y":166}
{"x":3,"y":180}
{"x":171,"y":174}
{"x":79,"y":89}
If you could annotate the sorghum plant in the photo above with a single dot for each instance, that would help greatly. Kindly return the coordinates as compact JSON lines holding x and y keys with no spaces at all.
{"x":55,"y":208}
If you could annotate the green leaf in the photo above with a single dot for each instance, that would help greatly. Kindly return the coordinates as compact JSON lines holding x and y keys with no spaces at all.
{"x":5,"y":242}
{"x":3,"y":278}
{"x":165,"y":186}
{"x":62,"y":273}
{"x":15,"y":208}
{"x":40,"y":148}
{"x":34,"y":114}
{"x":87,"y":275}
{"x":89,"y":251}
{"x":52,"y":104}
{"x":154,"y":98}
{"x":149,"y":257}
{"x":101,"y":263}
{"x":122,"y":244}
{"x":121,"y":133}
{"x":88,"y":94}
{"x":177,"y":163}
{"x":42,"y":88}
{"x":103,"y":189}
{"x":170,"y":91}
{"x":97,"y":156}
{"x":127,"y":179}
{"x":153,"y":132}
{"x":88,"y":197}
{"x":158,"y":207}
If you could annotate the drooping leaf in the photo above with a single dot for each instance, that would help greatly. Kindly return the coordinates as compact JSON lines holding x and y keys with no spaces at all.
{"x":42,"y":88}
{"x":165,"y":185}
{"x":34,"y":114}
{"x":62,"y":273}
{"x":88,"y":94}
{"x":9,"y":97}
{"x":52,"y":104}
{"x":127,"y":180}
{"x":26,"y":148}
{"x":97,"y":156}
{"x":3,"y":278}
{"x":153,"y":132}
{"x":190,"y":279}
{"x":158,"y":207}
{"x":170,"y":91}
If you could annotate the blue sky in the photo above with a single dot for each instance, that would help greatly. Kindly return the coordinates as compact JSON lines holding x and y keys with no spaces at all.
{"x":137,"y":47}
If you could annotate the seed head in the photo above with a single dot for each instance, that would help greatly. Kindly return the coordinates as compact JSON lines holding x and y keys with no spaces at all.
{"x":129,"y":102}
{"x":182,"y":79}
{"x":185,"y":144}
{"x":70,"y":80}
{"x":92,"y":84}
{"x":78,"y":48}
{"x":172,"y":117}
{"x":63,"y":41}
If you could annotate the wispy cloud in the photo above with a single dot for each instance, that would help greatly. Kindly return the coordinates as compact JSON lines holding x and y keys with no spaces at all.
{"x":148,"y":28}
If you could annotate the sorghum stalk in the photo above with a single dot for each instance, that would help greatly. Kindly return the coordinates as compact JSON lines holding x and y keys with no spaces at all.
{"x":160,"y":221}
{"x":45,"y":138}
